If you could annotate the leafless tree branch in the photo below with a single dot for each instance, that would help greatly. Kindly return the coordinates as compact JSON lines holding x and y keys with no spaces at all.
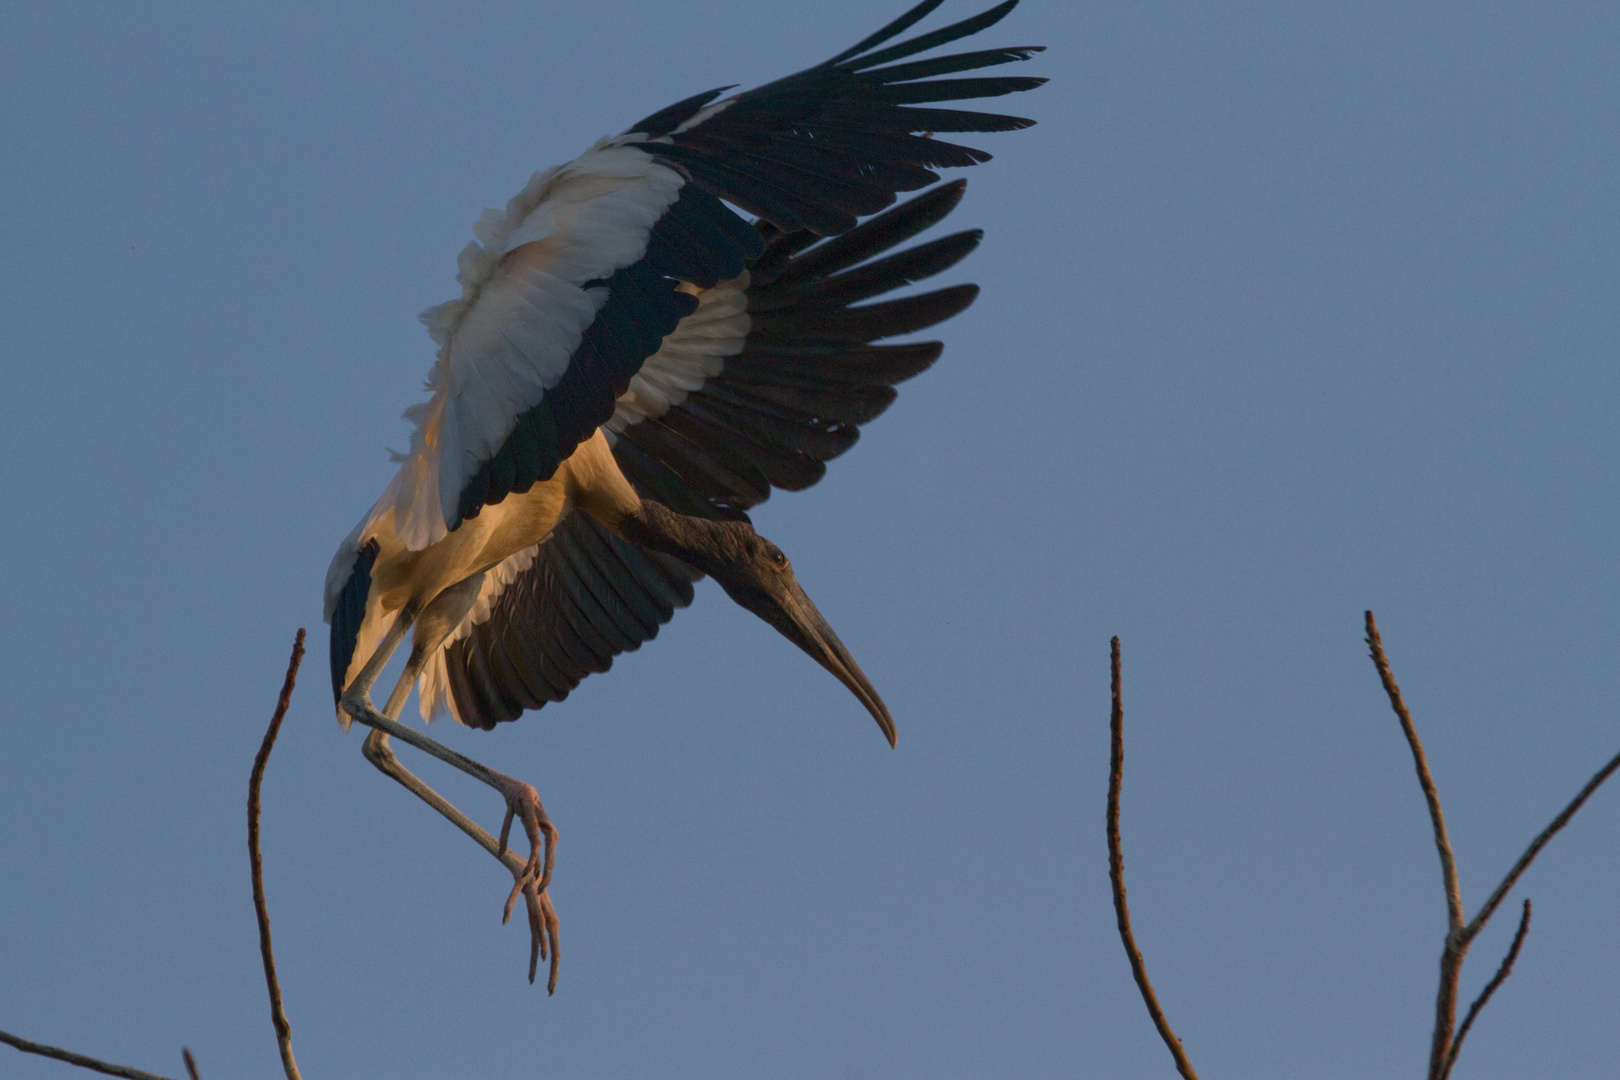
{"x":1461,"y":934}
{"x":1490,"y":988}
{"x":1448,"y":860}
{"x":278,"y":1015}
{"x":1451,"y":960}
{"x":1537,"y":844}
{"x":1116,"y":874}
{"x":94,"y":1065}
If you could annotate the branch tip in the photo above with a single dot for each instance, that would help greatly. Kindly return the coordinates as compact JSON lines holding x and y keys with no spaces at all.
{"x":1116,"y":872}
{"x":278,"y":1015}
{"x":1490,"y":988}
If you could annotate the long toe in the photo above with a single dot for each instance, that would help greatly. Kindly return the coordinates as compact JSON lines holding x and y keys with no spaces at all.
{"x":549,"y":914}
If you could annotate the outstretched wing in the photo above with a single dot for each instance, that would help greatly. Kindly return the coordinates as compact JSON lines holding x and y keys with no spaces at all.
{"x":793,"y":397}
{"x":768,"y":380}
{"x":579,"y":280}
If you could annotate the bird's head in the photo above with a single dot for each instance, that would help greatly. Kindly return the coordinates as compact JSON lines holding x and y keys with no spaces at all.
{"x":756,"y":574}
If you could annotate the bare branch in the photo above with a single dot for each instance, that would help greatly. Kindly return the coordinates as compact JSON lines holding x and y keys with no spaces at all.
{"x":1461,"y":934}
{"x":80,"y":1060}
{"x":278,"y":1015}
{"x":1448,"y":860}
{"x":1116,"y":874}
{"x":1490,"y":988}
{"x":1451,"y":960}
{"x":1536,"y":845}
{"x":1459,"y":941}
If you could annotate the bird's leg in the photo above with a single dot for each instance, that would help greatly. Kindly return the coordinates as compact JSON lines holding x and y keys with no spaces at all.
{"x":360,"y":686}
{"x":543,"y":924}
{"x":522,"y":800}
{"x":532,"y":877}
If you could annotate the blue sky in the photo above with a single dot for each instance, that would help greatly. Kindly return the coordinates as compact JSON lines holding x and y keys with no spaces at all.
{"x":1289,"y":311}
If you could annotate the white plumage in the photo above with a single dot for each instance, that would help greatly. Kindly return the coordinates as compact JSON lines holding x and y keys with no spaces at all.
{"x":693,"y":354}
{"x":522,"y":312}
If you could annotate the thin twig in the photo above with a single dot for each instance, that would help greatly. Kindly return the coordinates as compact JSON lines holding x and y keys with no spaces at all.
{"x":80,"y":1060}
{"x":1537,"y":844}
{"x":191,"y":1063}
{"x":1456,"y":950}
{"x":1116,"y":874}
{"x":1448,"y":860}
{"x":278,"y":1015}
{"x":1466,"y":936}
{"x":1460,"y":933}
{"x":1490,"y":988}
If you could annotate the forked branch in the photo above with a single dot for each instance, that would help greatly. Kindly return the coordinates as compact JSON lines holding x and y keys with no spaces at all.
{"x":1456,"y":950}
{"x":278,"y":1015}
{"x":1490,"y":988}
{"x":1116,"y":875}
{"x":1460,"y":933}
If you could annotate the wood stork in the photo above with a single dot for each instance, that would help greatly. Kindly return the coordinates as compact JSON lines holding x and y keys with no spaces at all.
{"x":630,"y":366}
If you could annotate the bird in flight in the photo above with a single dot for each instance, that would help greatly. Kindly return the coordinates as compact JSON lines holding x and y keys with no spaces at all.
{"x":631,"y":365}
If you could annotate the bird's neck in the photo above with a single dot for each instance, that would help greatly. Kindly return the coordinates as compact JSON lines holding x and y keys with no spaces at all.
{"x":699,"y":542}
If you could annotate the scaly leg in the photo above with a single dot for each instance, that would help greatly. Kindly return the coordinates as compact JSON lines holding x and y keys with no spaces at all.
{"x":531,"y":878}
{"x":542,"y":916}
{"x":522,"y":801}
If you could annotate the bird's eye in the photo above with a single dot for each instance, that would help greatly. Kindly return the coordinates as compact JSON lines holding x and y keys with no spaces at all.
{"x":779,"y":559}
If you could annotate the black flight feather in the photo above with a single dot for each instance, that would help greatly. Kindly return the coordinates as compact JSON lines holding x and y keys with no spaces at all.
{"x":923,"y":42}
{"x":761,"y":151}
{"x":898,"y":26}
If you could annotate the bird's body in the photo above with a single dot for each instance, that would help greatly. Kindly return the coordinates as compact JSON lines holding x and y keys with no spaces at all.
{"x":588,"y":480}
{"x":631,"y":366}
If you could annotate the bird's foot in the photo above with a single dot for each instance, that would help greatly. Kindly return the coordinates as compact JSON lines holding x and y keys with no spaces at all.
{"x":542,"y":925}
{"x":523,"y":804}
{"x":530,"y":882}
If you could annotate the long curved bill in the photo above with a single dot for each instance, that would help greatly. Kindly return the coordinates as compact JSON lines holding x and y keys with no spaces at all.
{"x":798,"y":620}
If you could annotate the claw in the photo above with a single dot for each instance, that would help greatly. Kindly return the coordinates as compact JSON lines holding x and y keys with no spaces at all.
{"x":537,"y":944}
{"x":543,"y":923}
{"x":523,"y":804}
{"x":543,"y":928}
{"x":550,"y":915}
{"x":511,"y":899}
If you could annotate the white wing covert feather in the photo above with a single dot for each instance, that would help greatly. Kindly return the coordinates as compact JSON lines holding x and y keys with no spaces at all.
{"x":523,"y":311}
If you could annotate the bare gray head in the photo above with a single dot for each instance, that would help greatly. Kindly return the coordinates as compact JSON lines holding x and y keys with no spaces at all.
{"x":757,"y":575}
